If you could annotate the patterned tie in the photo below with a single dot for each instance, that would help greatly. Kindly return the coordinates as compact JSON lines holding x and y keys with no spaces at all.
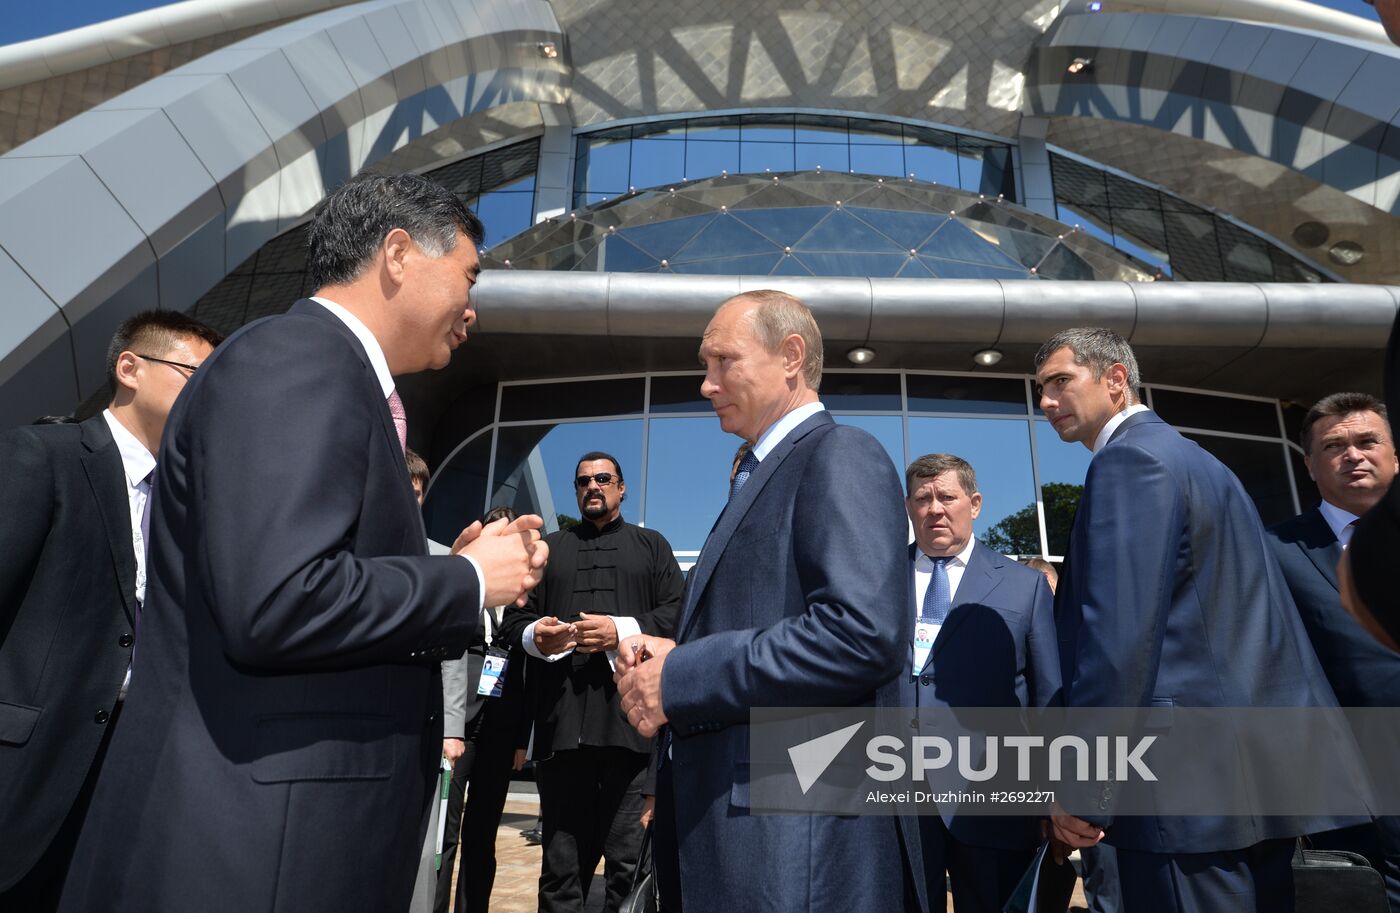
{"x":400,"y":418}
{"x":938,"y":599}
{"x":149,"y":482}
{"x":746,"y":467}
{"x":1347,"y":532}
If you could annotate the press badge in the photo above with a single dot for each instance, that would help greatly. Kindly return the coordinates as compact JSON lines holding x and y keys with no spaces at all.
{"x":493,"y":675}
{"x":924,"y":633}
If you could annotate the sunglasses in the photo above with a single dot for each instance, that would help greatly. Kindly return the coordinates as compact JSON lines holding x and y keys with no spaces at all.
{"x":602,"y":478}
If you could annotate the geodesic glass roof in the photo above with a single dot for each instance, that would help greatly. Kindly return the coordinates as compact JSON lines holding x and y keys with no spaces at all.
{"x":815,"y":224}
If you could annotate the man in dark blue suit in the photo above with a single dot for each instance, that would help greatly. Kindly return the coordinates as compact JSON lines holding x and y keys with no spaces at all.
{"x":1349,"y":453}
{"x":1171,"y":597}
{"x":280,"y":741}
{"x":984,"y":637}
{"x":799,"y":598}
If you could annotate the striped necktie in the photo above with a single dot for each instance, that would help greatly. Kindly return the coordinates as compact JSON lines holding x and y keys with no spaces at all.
{"x":400,"y":418}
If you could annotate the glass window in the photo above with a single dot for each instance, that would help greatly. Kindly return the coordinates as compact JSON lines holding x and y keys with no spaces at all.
{"x":688,"y":464}
{"x":932,"y":163}
{"x":1308,"y":496}
{"x":766,"y":128}
{"x":970,"y":171}
{"x":876,"y":133}
{"x":505,"y":214}
{"x":759,"y":157}
{"x":1000,"y":453}
{"x":457,"y":494}
{"x":1259,"y":467}
{"x":713,"y":128}
{"x":811,"y":156}
{"x":1217,"y":413}
{"x":708,"y":159}
{"x":881,"y":160}
{"x":656,"y":162}
{"x":535,"y":466}
{"x":527,"y":402}
{"x":821,"y":129}
{"x":865,"y":392}
{"x":603,"y":166}
{"x":936,"y":393}
{"x":678,"y":393}
{"x":1062,"y":471}
{"x":887,"y":429}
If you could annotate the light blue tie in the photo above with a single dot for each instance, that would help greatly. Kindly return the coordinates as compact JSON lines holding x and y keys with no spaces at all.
{"x":938,"y":599}
{"x":746,"y":467}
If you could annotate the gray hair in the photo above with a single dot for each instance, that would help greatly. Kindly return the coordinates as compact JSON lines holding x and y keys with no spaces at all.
{"x":780,"y":315}
{"x":1098,"y":349}
{"x":932,"y":465}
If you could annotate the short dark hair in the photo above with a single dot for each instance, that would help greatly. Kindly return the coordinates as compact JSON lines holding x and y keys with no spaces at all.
{"x":1097,"y":348}
{"x":592,"y":455}
{"x":417,"y":467}
{"x":352,"y":222}
{"x":154,"y":333}
{"x":1344,"y":403}
{"x":499,"y":512}
{"x":55,"y":420}
{"x":932,"y":465}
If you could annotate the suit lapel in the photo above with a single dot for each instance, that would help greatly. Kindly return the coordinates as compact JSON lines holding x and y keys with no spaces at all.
{"x":977,"y":582}
{"x":102,"y":463}
{"x":1320,"y":544}
{"x":733,"y":514}
{"x":386,"y":421}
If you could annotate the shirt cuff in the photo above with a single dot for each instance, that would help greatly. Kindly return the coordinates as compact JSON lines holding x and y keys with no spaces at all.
{"x":480,"y":582}
{"x":626,"y":627}
{"x":527,"y":640}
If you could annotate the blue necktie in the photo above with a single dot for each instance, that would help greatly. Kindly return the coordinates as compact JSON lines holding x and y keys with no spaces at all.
{"x":746,"y":467}
{"x":938,"y":599}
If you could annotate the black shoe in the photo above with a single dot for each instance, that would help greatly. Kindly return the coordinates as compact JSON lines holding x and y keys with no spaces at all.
{"x":533,"y":837}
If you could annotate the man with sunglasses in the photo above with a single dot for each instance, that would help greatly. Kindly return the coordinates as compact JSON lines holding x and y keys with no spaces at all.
{"x":606,"y":580}
{"x":72,"y":584}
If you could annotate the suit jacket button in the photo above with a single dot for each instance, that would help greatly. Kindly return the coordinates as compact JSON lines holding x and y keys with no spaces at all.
{"x":125,"y":640}
{"x":101,"y":717}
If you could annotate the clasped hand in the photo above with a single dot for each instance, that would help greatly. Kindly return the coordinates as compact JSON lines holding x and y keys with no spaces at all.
{"x":638,"y":676}
{"x":511,"y":555}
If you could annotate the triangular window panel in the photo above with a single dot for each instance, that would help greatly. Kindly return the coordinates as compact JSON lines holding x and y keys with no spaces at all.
{"x":617,"y":256}
{"x":955,"y":241}
{"x":753,"y":265}
{"x":843,"y":232}
{"x":790,"y":266}
{"x":724,"y":237}
{"x":663,"y":239}
{"x":784,"y":227}
{"x":908,"y":230}
{"x":961,"y":269}
{"x":779,"y":195}
{"x":880,"y":266}
{"x":1062,"y":263}
{"x":914,"y":268}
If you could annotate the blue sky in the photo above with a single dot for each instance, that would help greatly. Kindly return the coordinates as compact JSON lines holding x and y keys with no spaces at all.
{"x":23,"y":21}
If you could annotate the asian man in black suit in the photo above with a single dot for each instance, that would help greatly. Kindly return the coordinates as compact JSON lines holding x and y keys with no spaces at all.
{"x":71,"y":585}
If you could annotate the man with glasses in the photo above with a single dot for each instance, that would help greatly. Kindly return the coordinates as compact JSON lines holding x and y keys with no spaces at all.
{"x":72,"y":583}
{"x":606,"y":580}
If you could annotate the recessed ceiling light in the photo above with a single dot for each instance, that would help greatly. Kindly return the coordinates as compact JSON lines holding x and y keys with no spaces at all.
{"x":987,"y":357}
{"x":1080,"y":65}
{"x":860,"y":355}
{"x":1346,"y":253}
{"x":548,"y":50}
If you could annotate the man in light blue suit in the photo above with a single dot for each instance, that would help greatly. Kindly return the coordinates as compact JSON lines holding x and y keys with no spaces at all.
{"x":984,"y":637}
{"x":1171,"y":597}
{"x":799,"y":598}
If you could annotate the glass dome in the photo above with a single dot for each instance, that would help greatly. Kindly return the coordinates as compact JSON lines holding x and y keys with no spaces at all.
{"x":815,"y":224}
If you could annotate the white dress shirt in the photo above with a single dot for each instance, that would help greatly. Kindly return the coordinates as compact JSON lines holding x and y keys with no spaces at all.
{"x":1340,"y":521}
{"x":782,"y":428}
{"x":137,"y":464}
{"x":923,"y":576}
{"x":1112,"y":425}
{"x":386,"y":383}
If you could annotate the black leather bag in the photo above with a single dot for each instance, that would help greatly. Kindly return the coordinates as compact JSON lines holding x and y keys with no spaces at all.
{"x":1328,"y":881}
{"x":645,"y":896}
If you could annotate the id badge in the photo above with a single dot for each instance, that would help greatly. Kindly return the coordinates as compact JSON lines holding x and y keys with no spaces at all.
{"x":924,"y":633}
{"x":493,"y":675}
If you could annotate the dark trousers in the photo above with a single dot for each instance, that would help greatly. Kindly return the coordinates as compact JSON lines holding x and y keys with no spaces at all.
{"x":474,"y":815}
{"x":38,"y":891}
{"x":1098,"y":866}
{"x":591,"y":803}
{"x":1257,"y":879}
{"x":982,"y":878}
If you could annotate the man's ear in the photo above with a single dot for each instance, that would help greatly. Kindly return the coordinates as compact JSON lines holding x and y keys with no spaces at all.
{"x":397,"y":245}
{"x":128,"y":368}
{"x":794,"y":355}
